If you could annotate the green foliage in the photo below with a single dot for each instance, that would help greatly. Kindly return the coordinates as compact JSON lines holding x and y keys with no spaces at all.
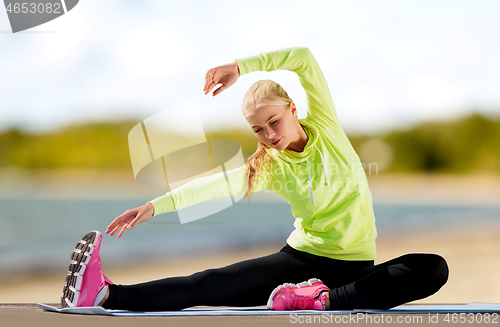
{"x":245,"y":138}
{"x":465,"y":145}
{"x":97,"y":145}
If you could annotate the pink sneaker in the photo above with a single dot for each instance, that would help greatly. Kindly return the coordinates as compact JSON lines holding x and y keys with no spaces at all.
{"x":85,"y":283}
{"x":301,"y":296}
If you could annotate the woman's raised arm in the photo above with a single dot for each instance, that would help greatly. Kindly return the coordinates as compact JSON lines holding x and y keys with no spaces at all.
{"x":301,"y":61}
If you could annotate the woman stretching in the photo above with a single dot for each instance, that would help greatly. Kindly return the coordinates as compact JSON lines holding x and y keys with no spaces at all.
{"x":309,"y":162}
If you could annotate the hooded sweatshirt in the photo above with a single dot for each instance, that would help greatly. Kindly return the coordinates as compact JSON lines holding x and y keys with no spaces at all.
{"x":325,"y":184}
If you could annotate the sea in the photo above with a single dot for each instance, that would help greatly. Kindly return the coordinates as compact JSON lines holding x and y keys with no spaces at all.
{"x":38,"y":235}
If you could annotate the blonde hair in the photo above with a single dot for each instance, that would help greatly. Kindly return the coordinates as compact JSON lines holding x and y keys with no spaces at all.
{"x":261,"y":93}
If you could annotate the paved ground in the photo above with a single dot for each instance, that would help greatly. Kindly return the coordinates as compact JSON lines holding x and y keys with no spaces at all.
{"x":20,"y":315}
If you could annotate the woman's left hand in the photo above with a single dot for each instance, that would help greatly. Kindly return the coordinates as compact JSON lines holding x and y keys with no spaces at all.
{"x":130,"y":218}
{"x":226,"y":75}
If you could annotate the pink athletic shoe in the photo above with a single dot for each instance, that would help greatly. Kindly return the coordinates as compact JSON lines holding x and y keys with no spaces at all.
{"x":301,"y":296}
{"x":85,"y":283}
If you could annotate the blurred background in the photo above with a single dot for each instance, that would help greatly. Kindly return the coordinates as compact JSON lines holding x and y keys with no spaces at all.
{"x":416,"y":86}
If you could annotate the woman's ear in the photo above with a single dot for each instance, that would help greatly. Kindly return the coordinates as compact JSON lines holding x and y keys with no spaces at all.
{"x":293,"y":108}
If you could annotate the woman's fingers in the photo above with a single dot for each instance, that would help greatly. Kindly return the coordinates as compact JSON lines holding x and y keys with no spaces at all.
{"x":220,"y":89}
{"x":209,"y":78}
{"x":111,"y":227}
{"x":212,"y":78}
{"x":120,"y":219}
{"x":130,"y":218}
{"x":113,"y":232}
{"x":114,"y":223}
{"x":209,"y":86}
{"x":120,"y":228}
{"x":122,"y":231}
{"x":128,"y":225}
{"x":208,"y":83}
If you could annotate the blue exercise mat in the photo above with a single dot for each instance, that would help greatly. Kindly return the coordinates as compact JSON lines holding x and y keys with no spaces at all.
{"x":259,"y":311}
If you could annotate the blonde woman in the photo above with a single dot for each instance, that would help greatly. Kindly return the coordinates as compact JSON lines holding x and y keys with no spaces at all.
{"x":327,"y":262}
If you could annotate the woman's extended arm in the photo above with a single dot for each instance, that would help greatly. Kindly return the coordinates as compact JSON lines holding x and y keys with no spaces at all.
{"x":301,"y":61}
{"x":198,"y":190}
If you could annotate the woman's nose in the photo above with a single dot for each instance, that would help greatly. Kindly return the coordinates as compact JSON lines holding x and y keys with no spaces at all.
{"x":269,"y":133}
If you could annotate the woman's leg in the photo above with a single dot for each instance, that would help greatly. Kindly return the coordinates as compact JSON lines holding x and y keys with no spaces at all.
{"x":246,"y":283}
{"x":400,"y":280}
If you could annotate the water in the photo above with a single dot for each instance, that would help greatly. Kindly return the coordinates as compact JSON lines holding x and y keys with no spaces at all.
{"x":38,"y":235}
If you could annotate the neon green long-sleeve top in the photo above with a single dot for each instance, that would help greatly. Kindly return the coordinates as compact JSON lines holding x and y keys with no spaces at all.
{"x":325,"y":184}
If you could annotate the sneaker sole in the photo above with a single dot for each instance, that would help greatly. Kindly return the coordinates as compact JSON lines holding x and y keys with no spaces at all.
{"x":299,"y":285}
{"x":79,"y":260}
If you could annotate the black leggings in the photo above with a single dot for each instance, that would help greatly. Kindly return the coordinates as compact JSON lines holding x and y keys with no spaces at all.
{"x":353,"y":284}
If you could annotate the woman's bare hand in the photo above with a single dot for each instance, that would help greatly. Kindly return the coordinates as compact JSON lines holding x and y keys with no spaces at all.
{"x":130,"y":218}
{"x":226,"y":75}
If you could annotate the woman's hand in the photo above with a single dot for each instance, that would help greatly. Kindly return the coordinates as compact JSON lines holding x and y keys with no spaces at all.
{"x":226,"y":75}
{"x":130,"y":218}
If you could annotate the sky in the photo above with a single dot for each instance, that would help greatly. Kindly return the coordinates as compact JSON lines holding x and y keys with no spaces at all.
{"x":389,"y":64}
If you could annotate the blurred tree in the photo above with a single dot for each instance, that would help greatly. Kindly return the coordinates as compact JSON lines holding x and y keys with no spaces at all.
{"x":469,"y":144}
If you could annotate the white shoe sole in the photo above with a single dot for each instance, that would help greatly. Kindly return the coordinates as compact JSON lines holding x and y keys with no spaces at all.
{"x":299,"y":285}
{"x":79,"y":260}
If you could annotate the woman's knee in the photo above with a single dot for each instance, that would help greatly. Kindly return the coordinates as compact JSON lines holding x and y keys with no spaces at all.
{"x":432,"y":267}
{"x":441,"y":270}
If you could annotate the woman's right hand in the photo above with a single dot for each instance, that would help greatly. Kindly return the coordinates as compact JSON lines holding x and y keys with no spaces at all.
{"x":226,"y":75}
{"x":130,"y":218}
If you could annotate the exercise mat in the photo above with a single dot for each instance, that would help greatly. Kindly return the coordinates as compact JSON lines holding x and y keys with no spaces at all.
{"x":259,"y":311}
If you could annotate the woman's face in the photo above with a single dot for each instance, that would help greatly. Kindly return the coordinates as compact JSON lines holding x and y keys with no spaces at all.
{"x":275,"y":122}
